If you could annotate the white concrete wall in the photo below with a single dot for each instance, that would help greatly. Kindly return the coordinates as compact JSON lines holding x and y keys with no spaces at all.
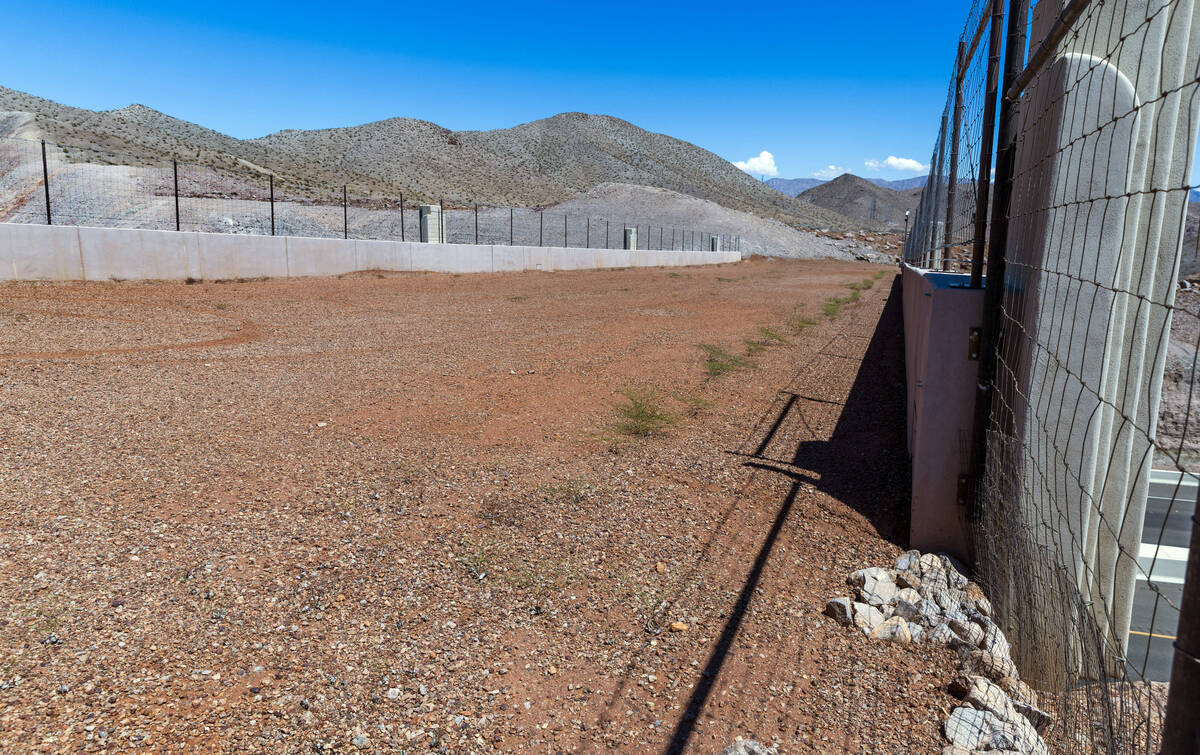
{"x":70,"y":253}
{"x":938,"y":315}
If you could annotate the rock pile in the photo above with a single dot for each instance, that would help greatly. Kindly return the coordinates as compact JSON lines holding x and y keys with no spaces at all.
{"x":927,"y":598}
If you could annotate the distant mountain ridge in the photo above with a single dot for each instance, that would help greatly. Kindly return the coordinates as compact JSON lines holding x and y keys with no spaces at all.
{"x":871,"y":205}
{"x":531,"y":165}
{"x":796,"y":186}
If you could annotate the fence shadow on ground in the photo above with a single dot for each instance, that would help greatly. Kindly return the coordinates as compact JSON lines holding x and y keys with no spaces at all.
{"x":862,"y":462}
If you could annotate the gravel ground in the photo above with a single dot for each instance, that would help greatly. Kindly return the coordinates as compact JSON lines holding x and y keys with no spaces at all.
{"x":386,"y":512}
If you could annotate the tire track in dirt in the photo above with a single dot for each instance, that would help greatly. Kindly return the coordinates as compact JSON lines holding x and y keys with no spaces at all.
{"x":243,"y":331}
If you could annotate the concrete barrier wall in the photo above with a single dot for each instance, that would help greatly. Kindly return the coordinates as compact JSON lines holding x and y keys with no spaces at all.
{"x":939,"y":312}
{"x":71,"y":253}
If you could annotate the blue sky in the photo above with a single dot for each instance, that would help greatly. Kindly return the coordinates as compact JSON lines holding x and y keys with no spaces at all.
{"x":817,"y":84}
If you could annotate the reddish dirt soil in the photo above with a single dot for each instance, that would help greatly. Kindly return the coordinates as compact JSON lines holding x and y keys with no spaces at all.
{"x":280,"y":515}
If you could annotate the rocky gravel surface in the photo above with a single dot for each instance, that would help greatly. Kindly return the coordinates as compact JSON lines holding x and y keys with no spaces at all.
{"x":384,"y":513}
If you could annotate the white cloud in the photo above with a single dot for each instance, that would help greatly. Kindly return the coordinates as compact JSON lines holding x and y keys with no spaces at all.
{"x":763,"y":165}
{"x":906,"y":164}
{"x":829,"y":171}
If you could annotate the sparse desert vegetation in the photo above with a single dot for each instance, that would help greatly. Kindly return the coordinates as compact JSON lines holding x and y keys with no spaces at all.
{"x":379,"y":509}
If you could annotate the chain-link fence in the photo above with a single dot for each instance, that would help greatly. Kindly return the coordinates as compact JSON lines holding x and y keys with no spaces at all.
{"x":1086,"y":455}
{"x":68,"y":185}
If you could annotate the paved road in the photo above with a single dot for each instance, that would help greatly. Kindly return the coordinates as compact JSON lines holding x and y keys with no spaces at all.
{"x":1168,"y":528}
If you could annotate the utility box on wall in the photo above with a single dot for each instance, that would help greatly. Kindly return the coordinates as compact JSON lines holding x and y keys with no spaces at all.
{"x":941,"y":343}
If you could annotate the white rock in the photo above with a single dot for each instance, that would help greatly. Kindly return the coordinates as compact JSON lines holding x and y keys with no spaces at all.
{"x":860,"y":577}
{"x":911,"y":560}
{"x":894,"y":629}
{"x":841,"y":610}
{"x":970,"y":728}
{"x":867,"y":617}
{"x":941,"y":635}
{"x":986,"y":695}
{"x":931,"y":564}
{"x":909,"y":594}
{"x":877,"y":592}
{"x":994,"y":642}
{"x":916,"y":632}
{"x":969,"y":631}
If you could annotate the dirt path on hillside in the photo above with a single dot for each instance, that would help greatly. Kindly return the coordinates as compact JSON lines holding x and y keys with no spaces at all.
{"x":393,"y":512}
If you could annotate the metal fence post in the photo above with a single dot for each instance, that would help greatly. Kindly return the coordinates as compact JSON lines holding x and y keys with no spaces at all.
{"x":271,"y":184}
{"x":1181,"y":731}
{"x":606,"y":223}
{"x":541,"y":225}
{"x":442,"y":235}
{"x":476,"y":224}
{"x":46,"y":183}
{"x":587,"y":235}
{"x":564,"y":230}
{"x":952,"y":180}
{"x":175,"y":171}
{"x":510,"y":226}
{"x":983,"y":196}
{"x":402,"y":216}
{"x":345,"y":215}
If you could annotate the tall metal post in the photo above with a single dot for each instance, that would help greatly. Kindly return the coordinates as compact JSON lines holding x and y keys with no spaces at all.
{"x":983,"y":195}
{"x":587,"y":235}
{"x":46,"y":183}
{"x":606,"y":222}
{"x":541,"y":225}
{"x":442,"y":235}
{"x":959,"y":73}
{"x":271,"y":183}
{"x":175,"y":171}
{"x":345,"y":215}
{"x":476,"y":224}
{"x":1181,"y":732}
{"x":564,"y":229}
{"x":402,"y":216}
{"x":510,"y":226}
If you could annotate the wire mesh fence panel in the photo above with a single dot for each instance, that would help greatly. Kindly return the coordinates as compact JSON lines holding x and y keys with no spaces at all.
{"x":310,"y":210}
{"x":87,"y":190}
{"x":374,"y":217}
{"x":1091,"y":458}
{"x":224,"y":200}
{"x":943,"y":228}
{"x":22,"y":186}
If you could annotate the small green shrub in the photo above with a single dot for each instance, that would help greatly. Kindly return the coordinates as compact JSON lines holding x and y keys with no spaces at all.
{"x":718,"y":360}
{"x":643,"y":415}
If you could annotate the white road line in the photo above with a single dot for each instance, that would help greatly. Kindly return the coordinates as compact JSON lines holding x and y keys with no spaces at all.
{"x":1170,"y":566}
{"x":1164,"y":552}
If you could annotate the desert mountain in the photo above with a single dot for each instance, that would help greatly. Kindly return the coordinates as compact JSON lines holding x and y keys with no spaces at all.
{"x":796,"y":186}
{"x":535,"y":164}
{"x":869,"y":205}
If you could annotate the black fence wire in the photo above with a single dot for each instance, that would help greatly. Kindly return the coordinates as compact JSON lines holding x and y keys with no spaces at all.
{"x":1086,"y":456}
{"x":67,"y":185}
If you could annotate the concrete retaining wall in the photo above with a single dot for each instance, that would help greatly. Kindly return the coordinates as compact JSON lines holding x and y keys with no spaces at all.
{"x":71,"y":253}
{"x":939,"y":312}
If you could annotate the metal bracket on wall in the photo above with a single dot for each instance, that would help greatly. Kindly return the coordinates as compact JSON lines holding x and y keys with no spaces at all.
{"x":973,"y":344}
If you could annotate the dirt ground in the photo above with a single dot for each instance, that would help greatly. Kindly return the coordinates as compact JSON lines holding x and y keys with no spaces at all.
{"x":389,"y":512}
